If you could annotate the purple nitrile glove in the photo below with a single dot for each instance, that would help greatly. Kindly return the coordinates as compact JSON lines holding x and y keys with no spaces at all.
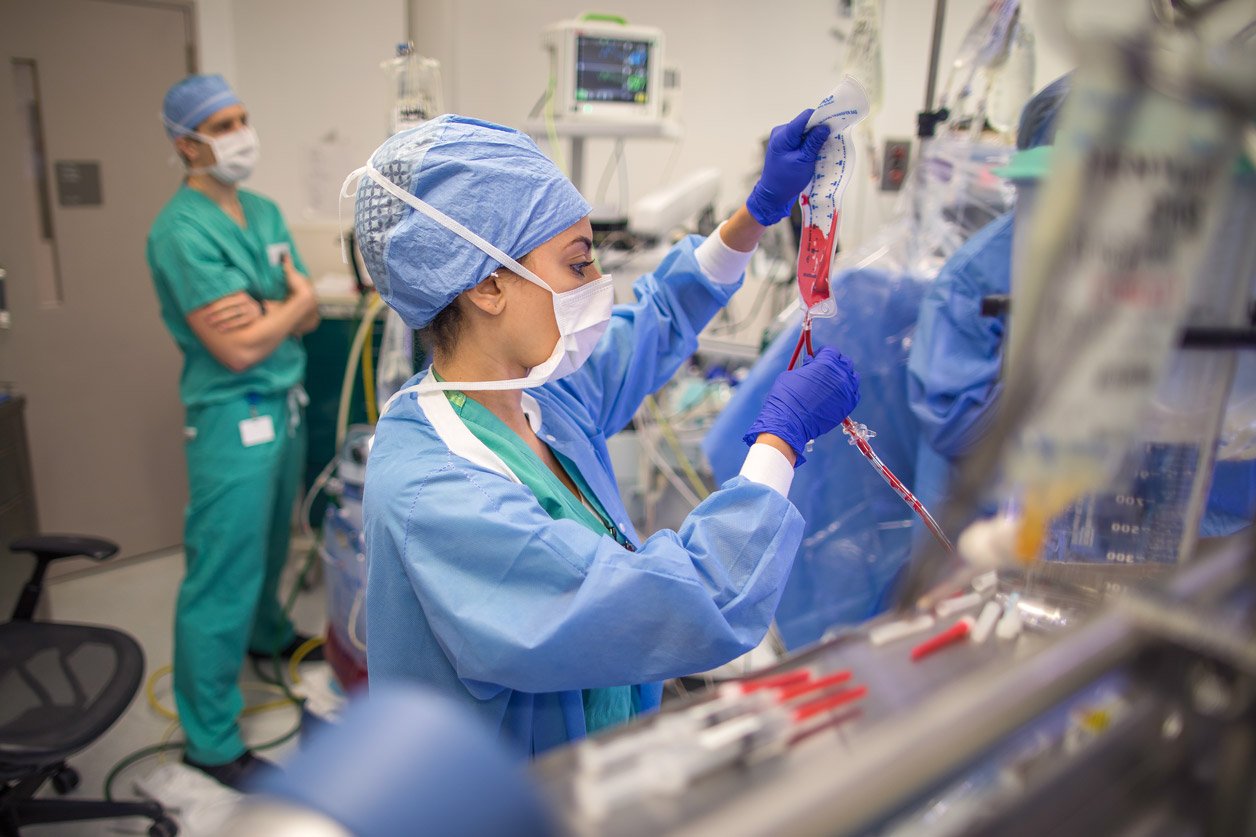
{"x":807,"y":402}
{"x":788,"y":167}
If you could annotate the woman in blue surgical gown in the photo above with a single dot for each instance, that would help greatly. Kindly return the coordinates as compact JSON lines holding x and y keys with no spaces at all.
{"x":503,"y":568}
{"x":953,"y":370}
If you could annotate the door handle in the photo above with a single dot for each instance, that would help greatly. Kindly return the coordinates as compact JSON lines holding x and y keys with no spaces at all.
{"x":5,"y":319}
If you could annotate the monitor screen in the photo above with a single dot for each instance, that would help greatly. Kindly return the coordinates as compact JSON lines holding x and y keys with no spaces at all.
{"x":612,"y":70}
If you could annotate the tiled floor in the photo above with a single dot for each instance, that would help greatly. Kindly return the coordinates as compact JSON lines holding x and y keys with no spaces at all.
{"x":138,"y":597}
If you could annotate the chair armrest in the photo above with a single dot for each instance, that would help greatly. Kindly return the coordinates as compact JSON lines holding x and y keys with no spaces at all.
{"x":52,"y":547}
{"x":46,"y":549}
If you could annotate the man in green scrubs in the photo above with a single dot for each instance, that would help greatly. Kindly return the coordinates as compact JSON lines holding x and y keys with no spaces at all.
{"x":235,"y":298}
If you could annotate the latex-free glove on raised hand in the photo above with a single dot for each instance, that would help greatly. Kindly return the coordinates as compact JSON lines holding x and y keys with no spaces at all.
{"x":787,"y":168}
{"x":807,"y":402}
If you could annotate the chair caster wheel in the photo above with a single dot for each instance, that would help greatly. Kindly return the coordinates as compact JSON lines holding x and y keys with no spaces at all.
{"x":65,"y":780}
{"x":163,"y":827}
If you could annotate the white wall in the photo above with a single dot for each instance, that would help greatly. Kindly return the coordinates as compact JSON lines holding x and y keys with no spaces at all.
{"x":746,"y":65}
{"x":215,"y":34}
{"x":308,"y":71}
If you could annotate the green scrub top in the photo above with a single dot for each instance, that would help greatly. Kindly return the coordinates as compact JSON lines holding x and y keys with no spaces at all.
{"x":198,"y":254}
{"x":602,"y":707}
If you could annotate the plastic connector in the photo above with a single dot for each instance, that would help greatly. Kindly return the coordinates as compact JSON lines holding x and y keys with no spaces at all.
{"x":986,"y":621}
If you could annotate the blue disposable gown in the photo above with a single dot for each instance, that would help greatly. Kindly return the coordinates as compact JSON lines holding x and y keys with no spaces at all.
{"x":858,"y":531}
{"x":953,"y":367}
{"x":474,"y":589}
{"x":953,"y":377}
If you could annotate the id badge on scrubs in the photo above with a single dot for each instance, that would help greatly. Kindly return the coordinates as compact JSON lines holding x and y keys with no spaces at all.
{"x":276,"y":252}
{"x":257,"y":430}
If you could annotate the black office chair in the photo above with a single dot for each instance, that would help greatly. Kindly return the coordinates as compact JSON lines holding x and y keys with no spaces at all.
{"x":61,"y":687}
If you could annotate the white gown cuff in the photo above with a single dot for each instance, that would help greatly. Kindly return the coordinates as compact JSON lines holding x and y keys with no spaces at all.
{"x":768,"y":466}
{"x":721,"y":263}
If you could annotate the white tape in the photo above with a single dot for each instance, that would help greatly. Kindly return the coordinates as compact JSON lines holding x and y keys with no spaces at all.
{"x":958,"y":604}
{"x":894,"y":631}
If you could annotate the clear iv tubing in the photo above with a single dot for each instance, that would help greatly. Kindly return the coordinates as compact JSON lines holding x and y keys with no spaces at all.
{"x":859,"y":438}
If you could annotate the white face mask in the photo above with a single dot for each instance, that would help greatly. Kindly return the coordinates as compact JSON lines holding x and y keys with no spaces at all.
{"x":582,"y":314}
{"x":235,"y":155}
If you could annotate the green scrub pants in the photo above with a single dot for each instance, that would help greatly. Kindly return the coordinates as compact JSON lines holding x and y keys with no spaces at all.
{"x":236,"y":535}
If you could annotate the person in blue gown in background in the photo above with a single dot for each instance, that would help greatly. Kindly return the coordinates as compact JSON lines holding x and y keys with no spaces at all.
{"x":955,"y":362}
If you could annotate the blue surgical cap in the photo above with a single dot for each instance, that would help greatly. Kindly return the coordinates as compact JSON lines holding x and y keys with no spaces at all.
{"x":491,"y":179}
{"x":193,"y":100}
{"x":1041,"y":115}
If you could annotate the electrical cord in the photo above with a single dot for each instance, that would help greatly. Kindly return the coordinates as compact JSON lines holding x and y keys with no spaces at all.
{"x":670,"y":165}
{"x":612,"y":163}
{"x":300,"y":654}
{"x":368,"y":373}
{"x":686,"y":467}
{"x":155,"y":749}
{"x":279,"y":685}
{"x":351,"y":251}
{"x":654,"y":455}
{"x":150,"y":693}
{"x":610,"y":266}
{"x":538,"y":104}
{"x":374,"y":304}
{"x":307,"y":504}
{"x":353,"y":621}
{"x":770,"y":281}
{"x":551,"y":130}
{"x":135,"y":758}
{"x":622,"y":186}
{"x":858,"y":435}
{"x":171,"y":729}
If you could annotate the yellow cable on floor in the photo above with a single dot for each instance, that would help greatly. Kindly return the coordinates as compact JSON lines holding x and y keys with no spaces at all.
{"x":150,"y":685}
{"x":150,"y":692}
{"x":258,"y":708}
{"x":300,"y":654}
{"x":165,"y":741}
{"x":150,"y":689}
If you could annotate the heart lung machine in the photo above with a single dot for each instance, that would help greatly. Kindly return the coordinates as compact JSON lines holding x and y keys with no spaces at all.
{"x":1118,"y":685}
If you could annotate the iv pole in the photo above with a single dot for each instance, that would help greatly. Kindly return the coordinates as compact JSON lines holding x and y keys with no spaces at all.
{"x":927,"y":119}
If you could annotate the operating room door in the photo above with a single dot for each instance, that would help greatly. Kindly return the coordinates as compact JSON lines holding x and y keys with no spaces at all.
{"x":84,"y":169}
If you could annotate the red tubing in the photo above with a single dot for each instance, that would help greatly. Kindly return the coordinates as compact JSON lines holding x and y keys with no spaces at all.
{"x":828,"y":704}
{"x":950,"y":636}
{"x":814,"y":686}
{"x":778,"y":681}
{"x":804,"y":341}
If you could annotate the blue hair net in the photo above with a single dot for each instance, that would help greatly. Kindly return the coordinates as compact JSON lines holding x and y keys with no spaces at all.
{"x":489,"y":178}
{"x":1041,"y":114}
{"x":193,"y":100}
